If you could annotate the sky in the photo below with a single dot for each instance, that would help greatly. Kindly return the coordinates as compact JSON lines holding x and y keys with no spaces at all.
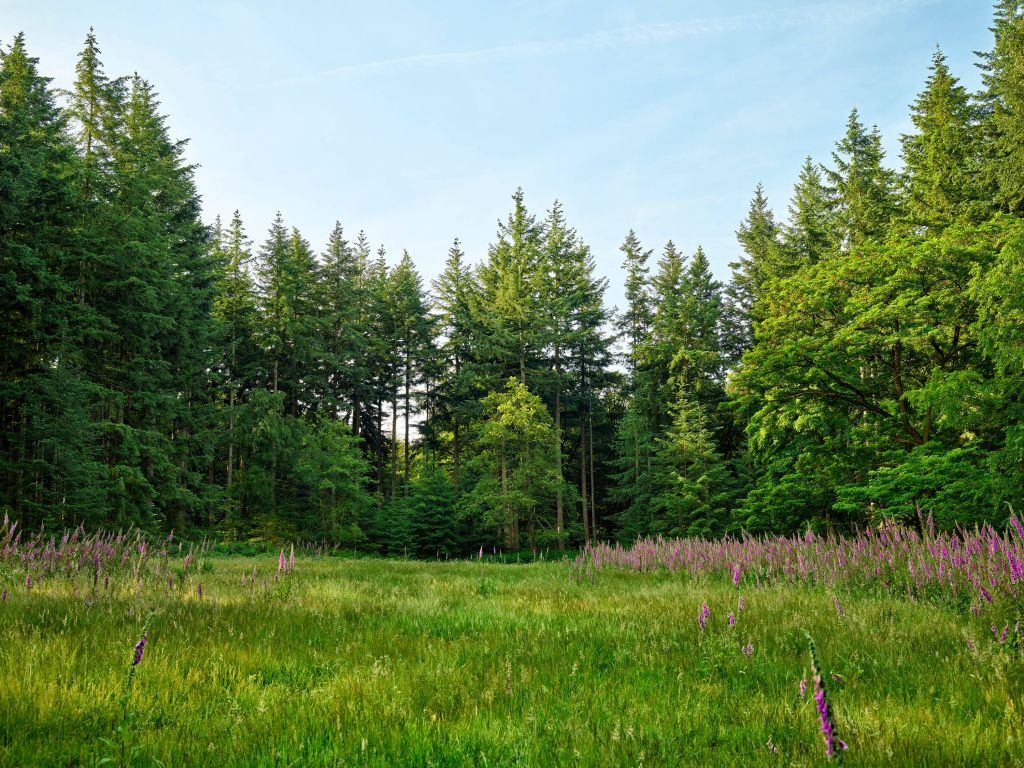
{"x":417,"y":121}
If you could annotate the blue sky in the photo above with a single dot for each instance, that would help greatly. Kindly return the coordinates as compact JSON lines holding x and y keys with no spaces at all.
{"x":416,"y":121}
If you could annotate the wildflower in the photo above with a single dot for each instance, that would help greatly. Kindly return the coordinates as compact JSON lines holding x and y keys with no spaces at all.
{"x":732,"y":619}
{"x":243,"y":579}
{"x":702,"y":616}
{"x":742,"y":603}
{"x":28,"y":582}
{"x":281,"y":562}
{"x":748,"y":649}
{"x":291,"y":559}
{"x":736,"y":576}
{"x":170,"y":581}
{"x":970,"y":647}
{"x":140,"y":647}
{"x":839,"y":607}
{"x":825,"y":714}
{"x":803,"y":687}
{"x":199,"y":590}
{"x":985,"y":594}
{"x":3,"y":597}
{"x":481,"y":556}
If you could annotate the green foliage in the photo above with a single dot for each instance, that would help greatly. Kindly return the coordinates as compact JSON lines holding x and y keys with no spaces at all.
{"x":515,"y":465}
{"x":362,"y":662}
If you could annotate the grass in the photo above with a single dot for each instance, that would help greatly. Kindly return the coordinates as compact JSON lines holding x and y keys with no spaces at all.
{"x":366,"y":662}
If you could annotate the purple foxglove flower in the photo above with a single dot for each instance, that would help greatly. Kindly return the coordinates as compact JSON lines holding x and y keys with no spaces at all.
{"x":985,"y":594}
{"x":803,"y":687}
{"x":28,"y":582}
{"x":736,"y":576}
{"x":140,"y":647}
{"x":291,"y":559}
{"x":481,"y":556}
{"x":732,"y":619}
{"x":742,"y":604}
{"x":748,"y":649}
{"x":1002,"y":637}
{"x":280,"y":562}
{"x":199,"y":591}
{"x":825,"y":716}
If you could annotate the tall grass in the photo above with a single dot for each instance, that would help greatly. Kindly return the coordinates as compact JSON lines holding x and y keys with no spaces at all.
{"x":359,"y":662}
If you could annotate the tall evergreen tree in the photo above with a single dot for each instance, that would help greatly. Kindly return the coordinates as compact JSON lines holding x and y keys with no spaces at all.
{"x":634,"y":324}
{"x":1003,"y":100}
{"x":864,"y":190}
{"x":810,"y":236}
{"x":941,"y":159}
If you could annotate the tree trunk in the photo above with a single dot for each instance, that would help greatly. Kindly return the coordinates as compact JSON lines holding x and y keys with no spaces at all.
{"x":394,"y":444}
{"x":583,"y":476}
{"x":593,"y":497}
{"x":559,"y":511}
{"x":455,"y":431}
{"x":408,"y":377}
{"x":231,"y":437}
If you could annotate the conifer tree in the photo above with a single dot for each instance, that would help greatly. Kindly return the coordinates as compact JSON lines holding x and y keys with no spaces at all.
{"x":456,"y":393}
{"x":48,"y":467}
{"x":510,"y":285}
{"x":941,"y":159}
{"x":1003,"y":101}
{"x":810,"y":235}
{"x":758,"y":235}
{"x":635,"y":322}
{"x":864,"y":191}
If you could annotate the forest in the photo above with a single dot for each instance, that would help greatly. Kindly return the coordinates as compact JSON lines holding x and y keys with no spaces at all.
{"x":864,"y":361}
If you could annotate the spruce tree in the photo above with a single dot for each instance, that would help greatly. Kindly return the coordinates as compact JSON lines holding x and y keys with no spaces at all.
{"x":941,"y":159}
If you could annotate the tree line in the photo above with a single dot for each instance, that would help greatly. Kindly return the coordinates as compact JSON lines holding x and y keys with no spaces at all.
{"x":863,"y":361}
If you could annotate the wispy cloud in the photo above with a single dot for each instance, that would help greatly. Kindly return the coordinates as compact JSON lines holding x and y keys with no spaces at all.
{"x":836,"y":13}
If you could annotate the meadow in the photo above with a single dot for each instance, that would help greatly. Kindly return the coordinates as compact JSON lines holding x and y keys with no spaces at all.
{"x":663,"y":654}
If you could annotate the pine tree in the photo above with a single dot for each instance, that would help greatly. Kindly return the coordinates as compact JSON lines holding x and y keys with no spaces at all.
{"x":758,"y":235}
{"x":48,"y":465}
{"x":688,"y":476}
{"x":456,"y":394}
{"x":1003,"y":100}
{"x":234,"y":320}
{"x":941,"y":159}
{"x":510,"y":285}
{"x":863,"y":190}
{"x":810,"y":235}
{"x":635,"y":322}
{"x":339,"y":306}
{"x":413,"y":344}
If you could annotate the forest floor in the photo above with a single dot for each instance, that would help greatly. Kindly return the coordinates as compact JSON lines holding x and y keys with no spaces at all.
{"x":391,"y":663}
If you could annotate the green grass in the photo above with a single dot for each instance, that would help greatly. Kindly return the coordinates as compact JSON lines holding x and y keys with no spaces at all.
{"x":398,"y":663}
